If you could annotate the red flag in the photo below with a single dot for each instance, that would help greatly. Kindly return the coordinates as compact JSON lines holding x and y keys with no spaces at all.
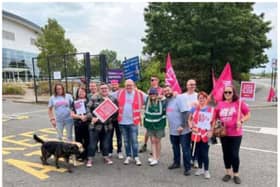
{"x":170,"y":77}
{"x":224,"y":80}
{"x":213,"y":78}
{"x":271,"y":95}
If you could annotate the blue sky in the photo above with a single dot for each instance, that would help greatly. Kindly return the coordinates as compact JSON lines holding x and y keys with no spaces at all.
{"x":117,"y":26}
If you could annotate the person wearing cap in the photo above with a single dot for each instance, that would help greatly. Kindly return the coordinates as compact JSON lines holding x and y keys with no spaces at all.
{"x":155,"y":122}
{"x":116,"y":127}
{"x":154,"y":84}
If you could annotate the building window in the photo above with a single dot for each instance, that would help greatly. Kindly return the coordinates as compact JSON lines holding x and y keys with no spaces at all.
{"x":8,"y":35}
{"x":32,"y":41}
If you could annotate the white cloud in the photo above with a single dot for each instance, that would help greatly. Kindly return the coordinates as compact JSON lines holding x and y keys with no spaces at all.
{"x":118,"y":26}
{"x":115,"y":26}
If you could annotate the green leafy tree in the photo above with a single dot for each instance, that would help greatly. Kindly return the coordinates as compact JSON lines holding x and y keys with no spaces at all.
{"x":201,"y":36}
{"x":150,"y":68}
{"x":111,"y":57}
{"x":52,"y":42}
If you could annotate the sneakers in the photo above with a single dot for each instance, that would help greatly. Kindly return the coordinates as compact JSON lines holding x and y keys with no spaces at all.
{"x":237,"y":180}
{"x":154,"y":162}
{"x":174,"y":166}
{"x":150,"y":159}
{"x":120,"y":156}
{"x":195,"y":164}
{"x":137,"y":161}
{"x":89,"y":163}
{"x":187,"y":173}
{"x":127,"y":160}
{"x":226,"y":178}
{"x":143,"y":148}
{"x":207,"y":175}
{"x":199,"y":171}
{"x":107,"y":160}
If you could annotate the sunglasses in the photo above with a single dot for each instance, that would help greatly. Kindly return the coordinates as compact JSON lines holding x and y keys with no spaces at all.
{"x":227,"y":92}
{"x":192,"y":84}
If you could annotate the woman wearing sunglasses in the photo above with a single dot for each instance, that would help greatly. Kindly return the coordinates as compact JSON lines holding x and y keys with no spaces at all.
{"x":154,"y":122}
{"x":227,"y":112}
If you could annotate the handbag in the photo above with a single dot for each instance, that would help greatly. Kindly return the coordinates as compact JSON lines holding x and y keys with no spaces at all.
{"x":219,"y":129}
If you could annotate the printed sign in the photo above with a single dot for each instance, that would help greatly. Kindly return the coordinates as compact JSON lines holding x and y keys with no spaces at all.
{"x":80,"y":107}
{"x":131,"y":68}
{"x":56,"y":75}
{"x":115,"y":74}
{"x":247,"y":91}
{"x":105,"y":110}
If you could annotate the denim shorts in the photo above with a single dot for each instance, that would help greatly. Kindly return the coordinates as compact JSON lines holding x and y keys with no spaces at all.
{"x":156,"y":133}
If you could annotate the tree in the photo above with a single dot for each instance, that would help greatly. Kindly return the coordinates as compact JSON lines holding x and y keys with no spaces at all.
{"x":111,"y":57}
{"x":52,"y":42}
{"x":201,"y":36}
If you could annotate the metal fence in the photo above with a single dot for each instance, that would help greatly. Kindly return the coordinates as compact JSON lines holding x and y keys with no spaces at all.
{"x":71,"y":70}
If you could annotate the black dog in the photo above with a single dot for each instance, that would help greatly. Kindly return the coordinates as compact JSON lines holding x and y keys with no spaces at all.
{"x":58,"y":149}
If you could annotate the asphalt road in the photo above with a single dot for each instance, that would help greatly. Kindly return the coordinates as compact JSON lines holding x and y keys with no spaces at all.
{"x":22,"y":166}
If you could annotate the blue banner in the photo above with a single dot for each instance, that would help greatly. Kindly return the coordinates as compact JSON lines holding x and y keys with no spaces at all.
{"x":131,"y":69}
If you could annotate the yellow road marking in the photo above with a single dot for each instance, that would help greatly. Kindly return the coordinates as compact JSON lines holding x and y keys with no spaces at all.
{"x":29,"y":167}
{"x":6,"y":150}
{"x":19,"y":142}
{"x":49,"y":130}
{"x":37,"y":153}
{"x":22,"y":117}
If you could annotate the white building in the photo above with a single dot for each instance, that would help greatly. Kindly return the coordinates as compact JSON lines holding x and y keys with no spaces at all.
{"x":18,"y":47}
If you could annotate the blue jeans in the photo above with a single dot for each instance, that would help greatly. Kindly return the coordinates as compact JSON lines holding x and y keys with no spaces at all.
{"x":130,"y":136}
{"x":94,"y":137}
{"x":184,"y":141}
{"x":68,"y":124}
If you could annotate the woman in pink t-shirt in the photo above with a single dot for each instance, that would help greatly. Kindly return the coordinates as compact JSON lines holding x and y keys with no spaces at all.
{"x":227,"y":112}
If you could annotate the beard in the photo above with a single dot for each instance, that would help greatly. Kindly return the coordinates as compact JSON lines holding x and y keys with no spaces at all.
{"x":169,"y":95}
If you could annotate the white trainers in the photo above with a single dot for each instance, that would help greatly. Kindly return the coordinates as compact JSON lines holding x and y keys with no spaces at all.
{"x":154,"y":162}
{"x":120,"y":156}
{"x":137,"y":161}
{"x":107,"y":160}
{"x":195,"y":164}
{"x":199,"y":171}
{"x":150,"y":159}
{"x":127,"y":160}
{"x":207,"y":175}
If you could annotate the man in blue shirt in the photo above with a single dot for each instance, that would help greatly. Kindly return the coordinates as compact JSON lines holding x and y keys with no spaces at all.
{"x":176,"y":112}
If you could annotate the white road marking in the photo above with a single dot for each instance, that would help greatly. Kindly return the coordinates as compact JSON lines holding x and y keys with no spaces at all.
{"x":23,"y":113}
{"x":261,"y":130}
{"x":254,"y":149}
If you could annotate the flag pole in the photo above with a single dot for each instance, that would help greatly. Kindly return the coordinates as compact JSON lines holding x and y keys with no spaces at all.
{"x":239,"y":107}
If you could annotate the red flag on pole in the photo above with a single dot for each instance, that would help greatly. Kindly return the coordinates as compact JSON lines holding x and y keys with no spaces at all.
{"x":270,"y":95}
{"x":224,"y":80}
{"x":170,"y":77}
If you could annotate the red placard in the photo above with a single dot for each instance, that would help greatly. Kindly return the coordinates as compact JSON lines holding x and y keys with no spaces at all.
{"x":247,"y":91}
{"x":105,"y":110}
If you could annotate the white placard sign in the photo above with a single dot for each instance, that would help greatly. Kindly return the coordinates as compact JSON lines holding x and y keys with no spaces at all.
{"x":57,"y":75}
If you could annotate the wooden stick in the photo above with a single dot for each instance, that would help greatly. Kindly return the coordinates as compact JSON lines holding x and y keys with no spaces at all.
{"x":194,"y":144}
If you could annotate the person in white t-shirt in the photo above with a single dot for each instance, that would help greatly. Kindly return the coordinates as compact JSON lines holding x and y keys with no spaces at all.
{"x":190,"y":99}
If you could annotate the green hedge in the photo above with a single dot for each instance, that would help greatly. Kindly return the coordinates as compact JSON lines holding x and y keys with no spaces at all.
{"x":12,"y":89}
